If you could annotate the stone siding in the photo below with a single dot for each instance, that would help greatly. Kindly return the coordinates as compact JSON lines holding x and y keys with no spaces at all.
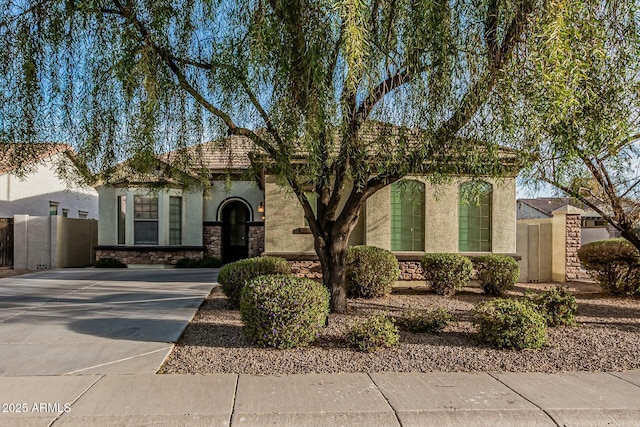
{"x":158,"y":257}
{"x":409,"y":270}
{"x":573,"y":242}
{"x":308,"y":269}
{"x":256,"y":240}
{"x":212,"y":240}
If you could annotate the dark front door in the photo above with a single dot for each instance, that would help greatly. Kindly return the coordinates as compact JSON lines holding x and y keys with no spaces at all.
{"x":6,"y":242}
{"x":234,"y":232}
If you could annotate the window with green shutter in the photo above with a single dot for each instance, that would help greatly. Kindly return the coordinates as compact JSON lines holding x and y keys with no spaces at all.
{"x":407,"y":216}
{"x":175,"y":220}
{"x":474,"y":229}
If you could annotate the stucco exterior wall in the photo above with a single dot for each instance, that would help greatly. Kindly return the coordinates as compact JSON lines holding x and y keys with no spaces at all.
{"x":441,"y":219}
{"x":192,"y":206}
{"x":284,"y":215}
{"x":245,"y":190}
{"x":31,"y":195}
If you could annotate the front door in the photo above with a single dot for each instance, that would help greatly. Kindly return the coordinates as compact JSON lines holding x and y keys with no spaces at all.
{"x":234,"y":232}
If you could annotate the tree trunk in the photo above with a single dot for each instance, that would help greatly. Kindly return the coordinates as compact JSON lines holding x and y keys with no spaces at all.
{"x":332,"y":252}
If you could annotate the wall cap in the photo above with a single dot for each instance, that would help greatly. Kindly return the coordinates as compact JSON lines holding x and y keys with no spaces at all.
{"x":567,"y":210}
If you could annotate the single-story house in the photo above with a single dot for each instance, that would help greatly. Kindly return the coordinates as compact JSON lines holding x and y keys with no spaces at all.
{"x":242,"y":216}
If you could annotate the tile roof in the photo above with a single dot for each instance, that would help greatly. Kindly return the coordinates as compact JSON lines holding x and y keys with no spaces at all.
{"x":230,"y":153}
{"x":21,"y":154}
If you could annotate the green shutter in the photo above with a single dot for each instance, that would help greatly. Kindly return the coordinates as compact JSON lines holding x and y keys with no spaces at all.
{"x":407,"y":216}
{"x":474,"y":227}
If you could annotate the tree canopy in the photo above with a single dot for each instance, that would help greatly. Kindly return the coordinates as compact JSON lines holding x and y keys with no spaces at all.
{"x":579,"y":107}
{"x":367,"y":91}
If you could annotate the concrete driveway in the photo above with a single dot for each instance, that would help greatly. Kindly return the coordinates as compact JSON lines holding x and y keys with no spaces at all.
{"x":94,"y":321}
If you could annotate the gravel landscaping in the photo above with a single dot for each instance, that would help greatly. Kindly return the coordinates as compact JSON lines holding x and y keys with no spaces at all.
{"x":607,"y":338}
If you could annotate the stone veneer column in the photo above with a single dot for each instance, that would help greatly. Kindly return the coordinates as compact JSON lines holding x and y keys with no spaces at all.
{"x":256,"y":239}
{"x":574,"y":241}
{"x":566,"y":239}
{"x":212,"y":239}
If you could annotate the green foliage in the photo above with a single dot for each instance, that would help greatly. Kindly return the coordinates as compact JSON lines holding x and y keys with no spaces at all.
{"x":496,"y":273}
{"x":371,"y":271}
{"x":510,"y":324}
{"x":575,"y":96}
{"x":446,"y":273}
{"x":558,"y":306}
{"x":283,"y":311}
{"x":432,"y":321}
{"x":374,"y":333}
{"x":109,"y":263}
{"x":364,"y":92}
{"x":232,"y":277}
{"x":614,"y":264}
{"x":205,"y":262}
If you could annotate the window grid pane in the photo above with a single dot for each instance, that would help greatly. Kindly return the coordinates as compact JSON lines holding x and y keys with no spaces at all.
{"x":474,"y":228}
{"x":175,"y":220}
{"x":407,"y":216}
{"x":122,"y":219}
{"x":145,"y":228}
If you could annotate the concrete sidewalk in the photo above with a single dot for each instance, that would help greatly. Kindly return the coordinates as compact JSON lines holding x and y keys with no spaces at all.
{"x":382,"y":399}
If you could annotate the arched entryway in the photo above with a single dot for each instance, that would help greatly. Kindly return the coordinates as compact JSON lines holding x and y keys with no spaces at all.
{"x":235,"y":242}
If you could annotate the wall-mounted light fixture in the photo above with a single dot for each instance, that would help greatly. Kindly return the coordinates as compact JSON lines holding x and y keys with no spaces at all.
{"x":261,"y":208}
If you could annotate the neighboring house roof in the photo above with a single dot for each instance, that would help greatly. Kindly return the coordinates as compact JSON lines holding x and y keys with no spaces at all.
{"x":14,"y":155}
{"x":546,"y":205}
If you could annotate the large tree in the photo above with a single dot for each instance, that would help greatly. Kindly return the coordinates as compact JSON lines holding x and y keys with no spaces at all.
{"x":367,"y":91}
{"x":578,"y":92}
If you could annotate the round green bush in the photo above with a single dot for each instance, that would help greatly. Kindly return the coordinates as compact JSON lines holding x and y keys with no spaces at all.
{"x":446,"y":273}
{"x":283,"y":311}
{"x":232,"y":277}
{"x":371,"y":271}
{"x":557,"y":305}
{"x":614,"y":264}
{"x":496,"y":273}
{"x":374,"y":333}
{"x":510,"y":324}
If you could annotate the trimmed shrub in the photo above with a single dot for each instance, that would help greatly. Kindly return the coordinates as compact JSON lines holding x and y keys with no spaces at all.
{"x":206,"y":262}
{"x":374,"y":333}
{"x":433,"y":321}
{"x":557,"y":305}
{"x":614,"y":264}
{"x":371,"y":271}
{"x":232,"y":277}
{"x":510,"y":324}
{"x":283,"y":311}
{"x":446,"y":273}
{"x":496,"y":273}
{"x":109,"y":263}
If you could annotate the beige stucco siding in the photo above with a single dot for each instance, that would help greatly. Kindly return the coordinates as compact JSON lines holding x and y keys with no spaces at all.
{"x":441,"y":218}
{"x":284,"y":215}
{"x":219,"y":193}
{"x":504,"y":216}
